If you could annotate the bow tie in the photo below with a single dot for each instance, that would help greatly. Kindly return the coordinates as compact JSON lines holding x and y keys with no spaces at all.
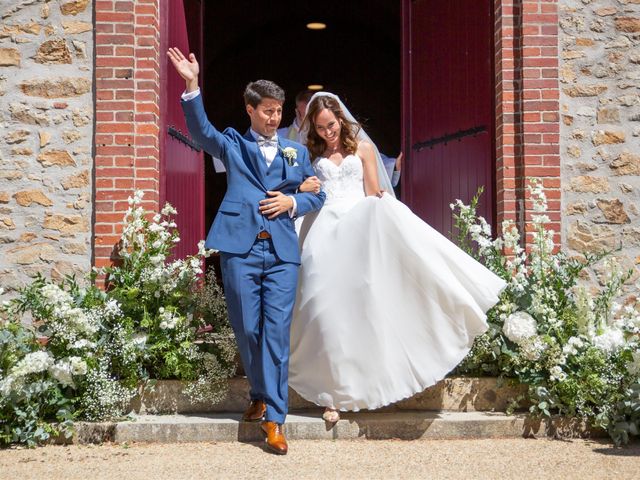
{"x":263,"y":141}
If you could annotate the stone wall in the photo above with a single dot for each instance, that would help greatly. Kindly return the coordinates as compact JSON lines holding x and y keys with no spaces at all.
{"x":46,"y":139}
{"x":600,"y":132}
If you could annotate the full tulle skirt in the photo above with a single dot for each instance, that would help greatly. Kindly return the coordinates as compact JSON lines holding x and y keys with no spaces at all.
{"x":386,"y":306}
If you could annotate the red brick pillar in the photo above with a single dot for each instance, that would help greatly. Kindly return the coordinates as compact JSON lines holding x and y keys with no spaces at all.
{"x":527,"y":109}
{"x":127,"y":155}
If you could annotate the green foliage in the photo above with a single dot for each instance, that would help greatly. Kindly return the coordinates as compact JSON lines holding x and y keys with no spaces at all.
{"x":577,"y":350}
{"x":69,"y":352}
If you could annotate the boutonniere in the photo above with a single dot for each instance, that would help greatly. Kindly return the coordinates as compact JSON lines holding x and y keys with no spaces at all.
{"x":290,"y":154}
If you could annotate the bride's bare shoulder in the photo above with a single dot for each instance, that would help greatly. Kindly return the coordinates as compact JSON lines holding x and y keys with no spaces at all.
{"x":366,"y":152}
{"x":365,"y":147}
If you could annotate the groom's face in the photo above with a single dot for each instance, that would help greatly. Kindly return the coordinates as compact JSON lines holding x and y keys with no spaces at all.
{"x":265,"y":118}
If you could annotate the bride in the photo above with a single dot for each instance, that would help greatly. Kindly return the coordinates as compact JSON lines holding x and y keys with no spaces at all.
{"x":386,"y":306}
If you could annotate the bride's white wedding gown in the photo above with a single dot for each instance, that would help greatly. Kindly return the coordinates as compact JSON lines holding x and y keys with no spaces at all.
{"x":386,"y":305}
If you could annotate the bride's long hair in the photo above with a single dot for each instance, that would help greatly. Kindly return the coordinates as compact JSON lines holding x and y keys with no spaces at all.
{"x":348,"y":131}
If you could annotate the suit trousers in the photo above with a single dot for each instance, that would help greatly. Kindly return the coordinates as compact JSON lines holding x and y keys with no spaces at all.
{"x":261,"y":290}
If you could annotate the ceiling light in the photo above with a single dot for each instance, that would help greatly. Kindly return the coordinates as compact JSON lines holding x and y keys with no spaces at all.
{"x":316,"y":26}
{"x":315,"y":86}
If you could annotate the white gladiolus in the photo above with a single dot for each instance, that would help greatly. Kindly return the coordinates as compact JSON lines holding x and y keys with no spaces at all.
{"x":519,"y":326}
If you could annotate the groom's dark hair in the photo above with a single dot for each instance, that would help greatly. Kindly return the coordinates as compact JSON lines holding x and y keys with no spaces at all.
{"x":256,"y":91}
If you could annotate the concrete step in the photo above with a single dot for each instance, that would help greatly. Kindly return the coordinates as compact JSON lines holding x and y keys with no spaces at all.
{"x":456,"y":394}
{"x":406,"y":425}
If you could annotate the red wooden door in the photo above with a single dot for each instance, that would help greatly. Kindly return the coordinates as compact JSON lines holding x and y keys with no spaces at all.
{"x":448,"y":107}
{"x":182,"y":165}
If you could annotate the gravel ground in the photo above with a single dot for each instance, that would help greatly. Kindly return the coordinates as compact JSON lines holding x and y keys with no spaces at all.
{"x":445,"y":459}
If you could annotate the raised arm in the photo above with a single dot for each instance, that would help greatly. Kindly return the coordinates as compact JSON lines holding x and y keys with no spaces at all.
{"x":200,"y":128}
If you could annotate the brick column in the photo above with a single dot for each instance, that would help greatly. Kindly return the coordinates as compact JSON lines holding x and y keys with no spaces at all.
{"x":127,"y":153}
{"x":527,"y":109}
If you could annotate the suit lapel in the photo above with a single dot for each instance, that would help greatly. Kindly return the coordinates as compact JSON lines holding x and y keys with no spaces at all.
{"x":286,"y":167}
{"x":257,"y":160}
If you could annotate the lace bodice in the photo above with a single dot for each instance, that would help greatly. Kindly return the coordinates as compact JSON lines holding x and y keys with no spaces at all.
{"x":343,"y":181}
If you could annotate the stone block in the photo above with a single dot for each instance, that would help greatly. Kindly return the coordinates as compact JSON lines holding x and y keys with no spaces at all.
{"x":56,"y":88}
{"x":586,"y":183}
{"x":9,"y":57}
{"x":73,"y":7}
{"x":66,"y":223}
{"x":25,"y":198}
{"x":53,"y":51}
{"x":60,"y":158}
{"x":626,"y":164}
{"x":613,"y":211}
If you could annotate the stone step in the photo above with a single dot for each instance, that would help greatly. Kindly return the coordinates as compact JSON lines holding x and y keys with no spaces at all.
{"x":406,"y":425}
{"x":456,"y":394}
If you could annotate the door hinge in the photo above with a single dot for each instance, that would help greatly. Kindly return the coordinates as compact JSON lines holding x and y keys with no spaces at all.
{"x":450,"y":137}
{"x":181,"y":137}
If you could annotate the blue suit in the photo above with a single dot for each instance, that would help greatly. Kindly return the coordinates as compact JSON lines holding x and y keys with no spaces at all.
{"x":260,"y":276}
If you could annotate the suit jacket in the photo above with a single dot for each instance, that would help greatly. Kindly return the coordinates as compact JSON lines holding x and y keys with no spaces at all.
{"x":239,"y":220}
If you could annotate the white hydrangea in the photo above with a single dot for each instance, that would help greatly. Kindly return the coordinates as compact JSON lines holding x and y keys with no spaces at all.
{"x":519,"y":326}
{"x":61,"y":371}
{"x":64,"y":370}
{"x":610,"y":341}
{"x":34,"y":362}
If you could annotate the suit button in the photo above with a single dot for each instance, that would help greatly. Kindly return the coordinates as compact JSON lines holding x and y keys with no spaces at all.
{"x":261,"y":228}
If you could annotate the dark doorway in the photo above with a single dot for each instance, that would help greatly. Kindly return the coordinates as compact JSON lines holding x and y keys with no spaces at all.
{"x":358,"y":57}
{"x":418,"y":75}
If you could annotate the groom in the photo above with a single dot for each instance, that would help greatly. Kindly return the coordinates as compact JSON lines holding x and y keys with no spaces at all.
{"x":255,"y":234}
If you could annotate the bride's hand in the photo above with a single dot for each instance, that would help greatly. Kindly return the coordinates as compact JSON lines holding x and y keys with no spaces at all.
{"x":380,"y":193}
{"x":311,"y":184}
{"x":187,"y":69}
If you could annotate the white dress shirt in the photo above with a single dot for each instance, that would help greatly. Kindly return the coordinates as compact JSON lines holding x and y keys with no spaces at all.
{"x":268,"y":151}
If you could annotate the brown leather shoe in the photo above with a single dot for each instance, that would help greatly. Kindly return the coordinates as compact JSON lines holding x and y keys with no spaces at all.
{"x":255,"y":412}
{"x":275,"y":437}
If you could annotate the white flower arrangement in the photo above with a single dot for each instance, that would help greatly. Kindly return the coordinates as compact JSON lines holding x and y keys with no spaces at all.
{"x":89,"y":348}
{"x":578,"y":350}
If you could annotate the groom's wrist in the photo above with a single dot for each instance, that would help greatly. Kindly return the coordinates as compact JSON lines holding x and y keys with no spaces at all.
{"x":191,"y":85}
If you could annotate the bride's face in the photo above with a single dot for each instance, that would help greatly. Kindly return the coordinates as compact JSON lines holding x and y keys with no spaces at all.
{"x":328,"y":127}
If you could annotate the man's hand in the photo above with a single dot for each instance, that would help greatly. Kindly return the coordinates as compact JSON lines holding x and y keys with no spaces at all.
{"x":311,"y":184}
{"x":277,"y":205}
{"x":187,"y":69}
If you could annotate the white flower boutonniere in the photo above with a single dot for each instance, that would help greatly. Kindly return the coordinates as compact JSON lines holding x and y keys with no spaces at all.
{"x":290,"y":154}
